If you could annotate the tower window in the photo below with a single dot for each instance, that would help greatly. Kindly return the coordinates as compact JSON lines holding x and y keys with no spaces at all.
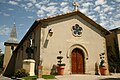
{"x":12,"y":48}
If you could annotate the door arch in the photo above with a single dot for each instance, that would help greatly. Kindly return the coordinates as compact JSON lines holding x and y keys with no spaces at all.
{"x":77,"y":61}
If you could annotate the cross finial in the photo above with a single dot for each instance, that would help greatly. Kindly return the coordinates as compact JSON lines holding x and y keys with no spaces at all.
{"x":76,"y":5}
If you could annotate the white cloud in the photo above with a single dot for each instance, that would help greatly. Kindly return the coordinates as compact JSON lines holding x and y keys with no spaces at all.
{"x":5,"y":14}
{"x":30,"y":17}
{"x":103,"y":23}
{"x":63,"y":4}
{"x":117,"y":0}
{"x":47,"y":11}
{"x":11,"y":9}
{"x":93,"y":17}
{"x":107,"y":8}
{"x":84,"y":10}
{"x":100,"y":2}
{"x":40,"y":13}
{"x":22,"y":5}
{"x":52,"y":3}
{"x":21,"y":25}
{"x":33,"y":1}
{"x":117,"y":16}
{"x":110,"y":23}
{"x":87,"y":4}
{"x":4,"y":30}
{"x":28,"y":7}
{"x":109,"y":12}
{"x":65,"y":9}
{"x":43,"y":8}
{"x":19,"y":0}
{"x":117,"y":23}
{"x":38,"y":5}
{"x":29,"y":4}
{"x":97,"y":8}
{"x":13,"y":2}
{"x":51,"y":9}
{"x":102,"y":17}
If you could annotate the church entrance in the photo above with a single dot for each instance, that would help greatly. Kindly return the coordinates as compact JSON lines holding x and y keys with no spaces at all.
{"x":77,"y":59}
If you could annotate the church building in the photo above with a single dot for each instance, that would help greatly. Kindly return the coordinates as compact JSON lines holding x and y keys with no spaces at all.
{"x":80,"y":40}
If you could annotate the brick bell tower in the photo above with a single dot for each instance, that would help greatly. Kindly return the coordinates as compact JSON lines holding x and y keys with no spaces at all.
{"x":10,"y":46}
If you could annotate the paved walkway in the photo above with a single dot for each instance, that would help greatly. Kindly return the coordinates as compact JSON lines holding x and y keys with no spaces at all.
{"x":78,"y":77}
{"x":87,"y":77}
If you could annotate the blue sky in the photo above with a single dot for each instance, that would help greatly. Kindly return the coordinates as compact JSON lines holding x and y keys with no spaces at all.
{"x":25,"y":12}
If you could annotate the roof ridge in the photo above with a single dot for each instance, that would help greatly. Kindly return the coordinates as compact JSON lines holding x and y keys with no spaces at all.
{"x":57,"y":15}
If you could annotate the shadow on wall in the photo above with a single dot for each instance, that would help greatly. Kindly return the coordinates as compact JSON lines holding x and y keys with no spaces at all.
{"x":10,"y":69}
{"x":54,"y":70}
{"x":46,"y":43}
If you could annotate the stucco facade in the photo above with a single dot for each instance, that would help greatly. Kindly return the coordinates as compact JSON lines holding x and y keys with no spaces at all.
{"x":8,"y":53}
{"x":91,"y":43}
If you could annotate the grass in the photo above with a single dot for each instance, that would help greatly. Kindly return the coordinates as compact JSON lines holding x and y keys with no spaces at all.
{"x":35,"y":77}
{"x":48,"y":76}
{"x":30,"y":78}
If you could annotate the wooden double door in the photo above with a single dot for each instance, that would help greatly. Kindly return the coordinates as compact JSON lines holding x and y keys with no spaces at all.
{"x":77,"y":59}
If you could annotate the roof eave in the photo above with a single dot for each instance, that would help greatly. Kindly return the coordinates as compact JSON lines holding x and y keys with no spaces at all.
{"x":27,"y":34}
{"x":106,"y":32}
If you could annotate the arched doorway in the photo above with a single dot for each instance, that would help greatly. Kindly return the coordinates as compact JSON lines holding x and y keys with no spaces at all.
{"x":77,"y":60}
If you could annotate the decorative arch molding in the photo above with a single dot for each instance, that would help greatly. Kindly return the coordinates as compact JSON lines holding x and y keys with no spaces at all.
{"x":85,"y":53}
{"x":80,"y":47}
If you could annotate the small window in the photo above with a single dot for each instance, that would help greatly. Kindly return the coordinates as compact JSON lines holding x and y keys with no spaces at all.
{"x":76,"y":30}
{"x":12,"y":48}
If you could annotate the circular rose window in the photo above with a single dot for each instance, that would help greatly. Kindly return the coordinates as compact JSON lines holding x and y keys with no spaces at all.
{"x":76,"y":30}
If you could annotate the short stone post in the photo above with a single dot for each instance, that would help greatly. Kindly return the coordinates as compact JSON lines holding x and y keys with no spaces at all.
{"x":29,"y":66}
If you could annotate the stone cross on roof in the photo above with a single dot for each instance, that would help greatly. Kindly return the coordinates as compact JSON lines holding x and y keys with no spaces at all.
{"x":76,"y":5}
{"x":13,"y":35}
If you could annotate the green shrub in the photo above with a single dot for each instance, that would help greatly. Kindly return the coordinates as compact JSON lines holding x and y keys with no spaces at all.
{"x":21,"y":73}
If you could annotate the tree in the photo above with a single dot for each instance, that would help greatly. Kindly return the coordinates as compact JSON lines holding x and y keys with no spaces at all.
{"x":113,"y":60}
{"x":1,"y":59}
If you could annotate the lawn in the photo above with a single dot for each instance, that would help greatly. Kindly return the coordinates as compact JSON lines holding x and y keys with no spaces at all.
{"x":30,"y":78}
{"x":48,"y":76}
{"x":35,"y":77}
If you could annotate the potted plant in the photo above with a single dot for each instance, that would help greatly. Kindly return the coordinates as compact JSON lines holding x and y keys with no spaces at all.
{"x":60,"y":67}
{"x":102,"y":66}
{"x":40,"y":68}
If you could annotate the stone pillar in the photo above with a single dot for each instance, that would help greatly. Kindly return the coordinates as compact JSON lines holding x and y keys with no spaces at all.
{"x":29,"y":66}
